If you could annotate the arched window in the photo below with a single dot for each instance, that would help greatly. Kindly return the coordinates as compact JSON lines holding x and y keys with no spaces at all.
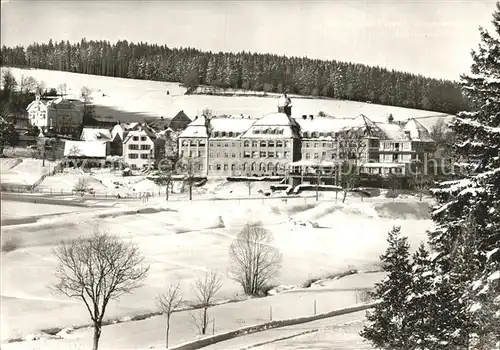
{"x":246,"y":144}
{"x":254,"y":166}
{"x":256,"y":131}
{"x":305,"y":134}
{"x":270,"y":167}
{"x":270,"y":144}
{"x":244,"y":166}
{"x":279,"y":144}
{"x":262,"y":167}
{"x":287,"y":144}
{"x":263,"y":144}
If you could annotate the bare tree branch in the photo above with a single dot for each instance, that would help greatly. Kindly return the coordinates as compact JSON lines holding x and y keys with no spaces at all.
{"x":204,"y":291}
{"x":169,"y":300}
{"x":254,"y":261}
{"x":96,"y":270}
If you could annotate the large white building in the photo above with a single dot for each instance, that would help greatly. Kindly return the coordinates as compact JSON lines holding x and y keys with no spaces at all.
{"x":279,"y":143}
{"x":60,"y":115}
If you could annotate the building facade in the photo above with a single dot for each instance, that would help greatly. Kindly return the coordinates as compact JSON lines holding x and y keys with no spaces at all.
{"x":139,"y":146}
{"x":59,"y":115}
{"x":279,"y":144}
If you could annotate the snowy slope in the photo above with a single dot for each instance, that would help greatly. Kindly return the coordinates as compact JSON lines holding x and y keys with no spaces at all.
{"x":150,"y":98}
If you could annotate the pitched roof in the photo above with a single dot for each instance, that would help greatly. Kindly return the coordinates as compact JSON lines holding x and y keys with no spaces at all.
{"x":417,"y":130}
{"x":273,"y":125}
{"x":197,"y":128}
{"x":89,"y":149}
{"x":139,"y":130}
{"x":92,"y":134}
{"x":235,"y":125}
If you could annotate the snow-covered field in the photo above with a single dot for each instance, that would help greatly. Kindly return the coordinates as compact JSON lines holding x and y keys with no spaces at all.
{"x":188,"y":240}
{"x":24,"y":173}
{"x":150,"y":98}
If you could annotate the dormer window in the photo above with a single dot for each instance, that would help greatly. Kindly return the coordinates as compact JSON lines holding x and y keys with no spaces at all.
{"x":216,"y":134}
{"x":230,"y":134}
{"x":223,"y":134}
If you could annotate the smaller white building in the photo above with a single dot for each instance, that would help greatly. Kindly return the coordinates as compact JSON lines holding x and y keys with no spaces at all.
{"x":139,"y":147}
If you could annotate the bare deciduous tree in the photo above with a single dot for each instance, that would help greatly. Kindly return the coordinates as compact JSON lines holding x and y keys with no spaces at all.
{"x":81,"y":185}
{"x":168,"y":301}
{"x":254,"y":261}
{"x":96,"y":270}
{"x":205,"y":290}
{"x":189,"y":167}
{"x":353,"y":145}
{"x":165,"y":172}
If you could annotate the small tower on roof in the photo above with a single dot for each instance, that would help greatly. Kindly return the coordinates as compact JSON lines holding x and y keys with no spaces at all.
{"x":285,"y":105}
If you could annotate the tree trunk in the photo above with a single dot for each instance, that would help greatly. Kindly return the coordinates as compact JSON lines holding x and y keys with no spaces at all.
{"x":97,"y":335}
{"x":166,"y":192}
{"x":345,"y":195}
{"x":191,"y":195}
{"x":168,"y":330}
{"x":205,"y":321}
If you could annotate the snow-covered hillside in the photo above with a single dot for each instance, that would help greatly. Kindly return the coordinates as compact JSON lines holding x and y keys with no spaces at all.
{"x":151,"y":99}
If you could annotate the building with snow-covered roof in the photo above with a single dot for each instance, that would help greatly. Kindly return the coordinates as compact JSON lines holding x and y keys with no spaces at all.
{"x":141,"y":146}
{"x":59,"y":115}
{"x":279,"y":143}
{"x":95,"y":134}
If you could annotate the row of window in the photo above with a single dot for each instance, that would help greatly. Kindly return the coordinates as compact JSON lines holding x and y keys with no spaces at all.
{"x":315,"y":134}
{"x":247,"y":167}
{"x":192,"y":154}
{"x":136,"y":147}
{"x":193,"y":143}
{"x":136,"y":156}
{"x":225,"y":134}
{"x":317,"y":144}
{"x":276,"y":131}
{"x":136,"y":138}
{"x":248,"y":154}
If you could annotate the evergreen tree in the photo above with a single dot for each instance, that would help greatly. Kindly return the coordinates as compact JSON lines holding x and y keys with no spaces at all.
{"x":421,"y":299}
{"x":389,"y":327}
{"x":260,"y":72}
{"x":468,"y":260}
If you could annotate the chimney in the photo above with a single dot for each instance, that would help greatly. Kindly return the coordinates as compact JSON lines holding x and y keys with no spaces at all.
{"x":161,"y":118}
{"x":311,"y":116}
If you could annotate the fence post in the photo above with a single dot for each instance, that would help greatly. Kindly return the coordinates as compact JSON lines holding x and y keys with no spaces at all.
{"x":270,"y":312}
{"x":213,"y":325}
{"x":314,"y":307}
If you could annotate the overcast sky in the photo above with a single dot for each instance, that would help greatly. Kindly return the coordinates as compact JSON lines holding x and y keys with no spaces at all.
{"x":432,"y":37}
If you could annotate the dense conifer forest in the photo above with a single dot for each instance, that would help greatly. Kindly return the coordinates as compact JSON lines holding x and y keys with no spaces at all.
{"x":243,"y":70}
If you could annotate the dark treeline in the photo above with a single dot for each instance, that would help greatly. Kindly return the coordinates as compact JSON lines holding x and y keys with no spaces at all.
{"x":250,"y":71}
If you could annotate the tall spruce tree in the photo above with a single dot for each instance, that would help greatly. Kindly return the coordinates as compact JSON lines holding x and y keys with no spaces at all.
{"x":468,"y":260}
{"x":420,"y":300}
{"x":389,"y":327}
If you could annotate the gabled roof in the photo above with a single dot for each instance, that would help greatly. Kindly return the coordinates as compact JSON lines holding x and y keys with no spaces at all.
{"x":139,"y":130}
{"x":86,"y":149}
{"x":91,"y":134}
{"x":197,"y":128}
{"x":417,"y":131}
{"x":273,"y":125}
